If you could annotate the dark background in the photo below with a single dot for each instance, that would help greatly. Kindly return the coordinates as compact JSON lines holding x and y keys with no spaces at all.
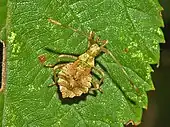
{"x":158,"y":112}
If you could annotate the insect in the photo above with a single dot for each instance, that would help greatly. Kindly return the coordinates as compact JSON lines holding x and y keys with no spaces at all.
{"x":75,"y":78}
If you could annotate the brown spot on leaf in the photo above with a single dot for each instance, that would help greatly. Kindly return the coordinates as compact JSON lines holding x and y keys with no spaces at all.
{"x":126,"y":50}
{"x":42,"y":58}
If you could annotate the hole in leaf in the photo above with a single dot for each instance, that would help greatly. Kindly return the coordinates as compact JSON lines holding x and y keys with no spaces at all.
{"x":1,"y":57}
{"x":2,"y":65}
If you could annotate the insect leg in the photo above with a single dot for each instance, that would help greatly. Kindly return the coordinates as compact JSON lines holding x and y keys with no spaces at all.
{"x":50,"y":65}
{"x":67,"y":56}
{"x":101,"y":73}
{"x":54,"y":72}
{"x":61,"y":56}
{"x":104,"y":43}
{"x":97,"y":85}
{"x":58,"y":60}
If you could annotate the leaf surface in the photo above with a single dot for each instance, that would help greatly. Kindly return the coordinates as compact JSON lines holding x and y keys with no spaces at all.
{"x":3,"y":13}
{"x":130,"y":26}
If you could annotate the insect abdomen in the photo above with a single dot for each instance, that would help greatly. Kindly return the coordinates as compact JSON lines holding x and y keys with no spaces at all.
{"x":74,"y":80}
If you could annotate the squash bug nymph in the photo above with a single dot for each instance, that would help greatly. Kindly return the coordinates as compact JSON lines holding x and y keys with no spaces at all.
{"x":75,"y":78}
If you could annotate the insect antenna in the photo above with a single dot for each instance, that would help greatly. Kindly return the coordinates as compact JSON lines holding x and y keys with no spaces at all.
{"x":90,"y":37}
{"x":66,"y":26}
{"x":120,"y":65}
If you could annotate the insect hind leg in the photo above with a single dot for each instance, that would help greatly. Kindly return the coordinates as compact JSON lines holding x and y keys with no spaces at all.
{"x":95,"y":84}
{"x":96,"y":87}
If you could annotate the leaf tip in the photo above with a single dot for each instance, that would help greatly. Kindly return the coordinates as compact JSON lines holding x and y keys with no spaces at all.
{"x":133,"y":123}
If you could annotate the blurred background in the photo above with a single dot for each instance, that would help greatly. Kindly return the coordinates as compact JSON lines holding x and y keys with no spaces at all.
{"x":158,"y":112}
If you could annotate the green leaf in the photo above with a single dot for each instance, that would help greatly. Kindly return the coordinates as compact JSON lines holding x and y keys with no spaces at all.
{"x":1,"y":107}
{"x":3,"y":11}
{"x":130,"y":26}
{"x":3,"y":14}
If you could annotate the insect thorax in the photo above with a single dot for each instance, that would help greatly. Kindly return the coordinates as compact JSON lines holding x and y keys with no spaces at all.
{"x":87,"y":58}
{"x":94,"y":50}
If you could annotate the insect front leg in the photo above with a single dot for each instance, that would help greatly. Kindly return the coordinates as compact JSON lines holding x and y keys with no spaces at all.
{"x":58,"y":60}
{"x":104,"y":43}
{"x":67,"y":56}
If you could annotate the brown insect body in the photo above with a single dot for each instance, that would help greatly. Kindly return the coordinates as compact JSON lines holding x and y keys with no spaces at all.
{"x":75,"y":78}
